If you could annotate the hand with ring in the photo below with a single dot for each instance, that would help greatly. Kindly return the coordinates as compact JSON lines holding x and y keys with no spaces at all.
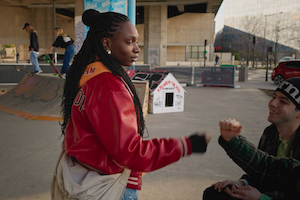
{"x":229,"y":128}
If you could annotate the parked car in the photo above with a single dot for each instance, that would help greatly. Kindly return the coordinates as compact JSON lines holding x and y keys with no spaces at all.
{"x":285,"y":70}
{"x":286,"y":58}
{"x":44,"y":58}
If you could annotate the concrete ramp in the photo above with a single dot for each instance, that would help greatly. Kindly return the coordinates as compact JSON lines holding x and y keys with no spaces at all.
{"x":35,"y":97}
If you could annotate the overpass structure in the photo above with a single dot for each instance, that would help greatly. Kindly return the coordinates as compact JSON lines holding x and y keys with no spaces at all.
{"x":170,"y":30}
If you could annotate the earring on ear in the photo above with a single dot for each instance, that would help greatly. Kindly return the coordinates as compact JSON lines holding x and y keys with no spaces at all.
{"x":108,"y":52}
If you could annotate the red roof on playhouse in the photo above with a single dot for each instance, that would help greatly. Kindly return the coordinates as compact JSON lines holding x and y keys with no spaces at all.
{"x":165,"y":92}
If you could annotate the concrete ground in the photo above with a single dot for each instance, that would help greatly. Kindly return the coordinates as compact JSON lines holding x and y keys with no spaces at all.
{"x":29,"y":148}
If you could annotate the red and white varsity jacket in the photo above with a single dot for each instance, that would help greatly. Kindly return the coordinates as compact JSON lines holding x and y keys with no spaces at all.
{"x":103,"y":133}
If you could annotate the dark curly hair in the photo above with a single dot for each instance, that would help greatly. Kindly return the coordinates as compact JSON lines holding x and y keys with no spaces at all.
{"x":101,"y":25}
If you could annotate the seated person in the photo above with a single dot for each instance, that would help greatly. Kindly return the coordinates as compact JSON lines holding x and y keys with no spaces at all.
{"x":280,"y":139}
{"x":280,"y":174}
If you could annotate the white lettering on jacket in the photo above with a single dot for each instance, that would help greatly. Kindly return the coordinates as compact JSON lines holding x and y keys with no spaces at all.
{"x":79,"y":100}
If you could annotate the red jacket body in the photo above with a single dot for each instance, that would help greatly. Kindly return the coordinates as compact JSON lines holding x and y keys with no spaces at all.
{"x":103,"y":132}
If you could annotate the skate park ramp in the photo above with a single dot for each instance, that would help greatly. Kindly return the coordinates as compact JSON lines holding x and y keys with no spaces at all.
{"x":36,"y":97}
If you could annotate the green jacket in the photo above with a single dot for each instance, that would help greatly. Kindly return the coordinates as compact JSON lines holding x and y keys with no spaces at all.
{"x":276,"y":174}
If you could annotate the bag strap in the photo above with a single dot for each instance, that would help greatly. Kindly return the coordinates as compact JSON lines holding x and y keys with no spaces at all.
{"x":90,"y":167}
{"x":87,"y":166}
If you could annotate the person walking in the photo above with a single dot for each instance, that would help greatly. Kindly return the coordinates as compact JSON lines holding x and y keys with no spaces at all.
{"x":103,"y":123}
{"x":17,"y":57}
{"x":64,"y":41}
{"x":280,"y":139}
{"x":217,"y":60}
{"x":33,"y":47}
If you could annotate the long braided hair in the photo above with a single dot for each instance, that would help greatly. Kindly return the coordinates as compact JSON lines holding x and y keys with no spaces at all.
{"x":101,"y":25}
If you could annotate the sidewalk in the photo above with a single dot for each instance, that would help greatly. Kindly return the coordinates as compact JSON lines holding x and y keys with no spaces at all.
{"x":257,"y":80}
{"x":29,"y":149}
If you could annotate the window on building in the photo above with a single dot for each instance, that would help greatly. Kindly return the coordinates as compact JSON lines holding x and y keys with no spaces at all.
{"x":196,"y":52}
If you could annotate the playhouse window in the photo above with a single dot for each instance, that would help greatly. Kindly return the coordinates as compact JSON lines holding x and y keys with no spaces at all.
{"x":169,"y":99}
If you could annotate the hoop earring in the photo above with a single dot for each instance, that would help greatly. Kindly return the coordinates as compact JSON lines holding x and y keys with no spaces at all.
{"x":108,"y":52}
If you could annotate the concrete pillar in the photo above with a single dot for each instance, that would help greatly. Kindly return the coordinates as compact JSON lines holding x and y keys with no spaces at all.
{"x":211,"y":53}
{"x":131,"y":15}
{"x":131,"y":11}
{"x":187,"y":52}
{"x":42,"y":22}
{"x":155,"y":35}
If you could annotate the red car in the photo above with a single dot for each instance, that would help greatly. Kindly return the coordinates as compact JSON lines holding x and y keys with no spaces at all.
{"x":286,"y":70}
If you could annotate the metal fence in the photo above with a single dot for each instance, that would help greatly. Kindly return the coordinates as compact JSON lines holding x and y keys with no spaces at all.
{"x":144,"y":67}
{"x":215,"y":76}
{"x":182,"y":74}
{"x":190,"y":75}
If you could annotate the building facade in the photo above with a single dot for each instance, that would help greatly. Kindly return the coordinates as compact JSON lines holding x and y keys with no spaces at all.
{"x":273,"y":23}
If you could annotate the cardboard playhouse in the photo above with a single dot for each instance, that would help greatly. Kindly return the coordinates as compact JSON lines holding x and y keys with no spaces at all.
{"x":166,"y":95}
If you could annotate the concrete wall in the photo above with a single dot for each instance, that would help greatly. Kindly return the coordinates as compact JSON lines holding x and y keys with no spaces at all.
{"x":188,"y":29}
{"x":182,"y":31}
{"x":191,"y":28}
{"x":176,"y":53}
{"x":140,"y":28}
{"x":12,"y":21}
{"x":155,"y":35}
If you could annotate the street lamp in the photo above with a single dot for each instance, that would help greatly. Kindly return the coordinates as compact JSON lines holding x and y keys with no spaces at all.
{"x":265,"y":42}
{"x":265,"y":35}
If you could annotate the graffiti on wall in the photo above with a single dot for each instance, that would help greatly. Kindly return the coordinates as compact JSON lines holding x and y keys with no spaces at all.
{"x":178,"y":100}
{"x":153,"y":77}
{"x":79,"y":33}
{"x":153,"y":57}
{"x":158,"y":103}
{"x":39,"y":89}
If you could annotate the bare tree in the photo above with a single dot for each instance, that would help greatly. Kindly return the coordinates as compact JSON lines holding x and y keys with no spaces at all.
{"x":295,"y":32}
{"x":251,"y":25}
{"x":281,"y":32}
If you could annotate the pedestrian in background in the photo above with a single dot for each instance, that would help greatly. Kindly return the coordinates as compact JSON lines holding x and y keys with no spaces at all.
{"x":217,"y":60}
{"x":33,"y":47}
{"x":17,"y":57}
{"x":103,"y":123}
{"x":64,"y":41}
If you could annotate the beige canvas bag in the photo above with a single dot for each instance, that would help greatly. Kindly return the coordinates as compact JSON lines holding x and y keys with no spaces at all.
{"x":73,"y":181}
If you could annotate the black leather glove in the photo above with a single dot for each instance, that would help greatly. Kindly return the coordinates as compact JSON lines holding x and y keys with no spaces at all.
{"x":198,"y":142}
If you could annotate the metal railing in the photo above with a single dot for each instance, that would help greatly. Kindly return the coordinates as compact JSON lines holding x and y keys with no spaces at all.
{"x":189,"y":75}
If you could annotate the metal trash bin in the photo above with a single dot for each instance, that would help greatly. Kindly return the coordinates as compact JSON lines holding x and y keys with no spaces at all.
{"x":243,"y":74}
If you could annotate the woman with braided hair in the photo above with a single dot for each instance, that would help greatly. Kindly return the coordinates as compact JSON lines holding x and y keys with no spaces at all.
{"x":103,"y":120}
